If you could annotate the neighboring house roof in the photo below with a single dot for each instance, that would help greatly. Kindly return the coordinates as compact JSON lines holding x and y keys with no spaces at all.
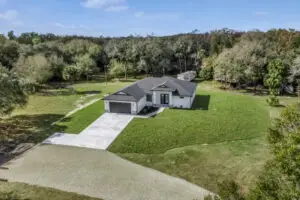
{"x":137,"y":90}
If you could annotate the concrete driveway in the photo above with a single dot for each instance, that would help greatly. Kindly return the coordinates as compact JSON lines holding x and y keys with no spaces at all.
{"x":97,"y":173}
{"x":99,"y":135}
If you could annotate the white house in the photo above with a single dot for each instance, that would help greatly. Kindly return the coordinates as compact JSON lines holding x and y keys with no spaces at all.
{"x":157,"y":92}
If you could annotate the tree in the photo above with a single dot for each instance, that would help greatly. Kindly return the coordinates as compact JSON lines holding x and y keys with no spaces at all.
{"x":11,"y":92}
{"x":207,"y":69}
{"x":34,"y":70}
{"x":71,"y":73}
{"x":9,"y":53}
{"x":276,"y":74}
{"x":245,"y":63}
{"x":251,"y":56}
{"x":281,"y":179}
{"x":2,"y":39}
{"x":223,"y":70}
{"x":117,"y":69}
{"x":36,"y":40}
{"x":86,"y":64}
{"x":294,"y":74}
{"x":11,"y":35}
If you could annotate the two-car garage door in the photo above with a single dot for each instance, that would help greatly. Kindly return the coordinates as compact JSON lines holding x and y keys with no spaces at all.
{"x":117,"y":107}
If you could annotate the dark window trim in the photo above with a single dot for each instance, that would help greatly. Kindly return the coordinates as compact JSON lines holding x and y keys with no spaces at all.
{"x":164,"y":99}
{"x":149,"y":97}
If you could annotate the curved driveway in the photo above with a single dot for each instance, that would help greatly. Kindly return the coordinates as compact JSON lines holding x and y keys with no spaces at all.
{"x":97,"y":173}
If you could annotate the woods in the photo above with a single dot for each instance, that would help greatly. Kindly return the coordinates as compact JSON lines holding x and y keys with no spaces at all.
{"x":237,"y":59}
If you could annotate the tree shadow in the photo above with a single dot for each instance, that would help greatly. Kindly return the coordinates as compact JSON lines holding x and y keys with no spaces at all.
{"x":201,"y":102}
{"x":56,"y":92}
{"x":26,"y":129}
{"x":279,"y":106}
{"x":67,"y":92}
{"x":88,"y":92}
{"x":256,"y":92}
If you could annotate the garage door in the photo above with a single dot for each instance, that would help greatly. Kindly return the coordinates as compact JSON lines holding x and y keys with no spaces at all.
{"x":120,"y":107}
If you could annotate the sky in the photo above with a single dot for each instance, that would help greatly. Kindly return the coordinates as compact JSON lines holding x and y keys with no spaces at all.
{"x":142,"y":17}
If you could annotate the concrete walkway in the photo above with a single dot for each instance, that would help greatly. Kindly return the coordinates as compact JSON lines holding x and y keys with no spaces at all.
{"x":99,"y":135}
{"x":97,"y":173}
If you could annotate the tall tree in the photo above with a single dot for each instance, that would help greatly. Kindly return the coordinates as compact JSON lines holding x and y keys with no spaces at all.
{"x":11,"y":35}
{"x":276,"y":74}
{"x":11,"y":92}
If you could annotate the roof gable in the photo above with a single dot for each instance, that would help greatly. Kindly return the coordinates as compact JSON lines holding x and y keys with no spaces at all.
{"x":121,"y":93}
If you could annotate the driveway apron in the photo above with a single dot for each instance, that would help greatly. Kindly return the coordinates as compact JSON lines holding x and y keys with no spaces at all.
{"x":99,"y":135}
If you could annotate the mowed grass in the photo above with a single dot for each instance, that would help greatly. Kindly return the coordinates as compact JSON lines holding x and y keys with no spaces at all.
{"x":222,"y":138}
{"x":83,"y":118}
{"x":23,"y":191}
{"x":32,"y":124}
{"x":228,"y":117}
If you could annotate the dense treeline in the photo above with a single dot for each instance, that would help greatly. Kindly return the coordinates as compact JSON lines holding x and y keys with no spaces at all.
{"x":234,"y":58}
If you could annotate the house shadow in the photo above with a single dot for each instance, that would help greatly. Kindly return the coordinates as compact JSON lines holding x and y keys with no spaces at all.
{"x":201,"y":102}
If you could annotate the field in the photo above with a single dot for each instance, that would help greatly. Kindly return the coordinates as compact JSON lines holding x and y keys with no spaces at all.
{"x":32,"y":124}
{"x":222,"y":138}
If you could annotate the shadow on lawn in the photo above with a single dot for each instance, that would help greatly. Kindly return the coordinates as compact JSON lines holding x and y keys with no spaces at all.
{"x":201,"y":102}
{"x":88,"y":92}
{"x":28,"y":128}
{"x":25,"y":129}
{"x":67,"y":92}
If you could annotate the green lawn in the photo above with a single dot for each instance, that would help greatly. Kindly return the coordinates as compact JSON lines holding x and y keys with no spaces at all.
{"x":228,"y":117}
{"x":22,"y":191}
{"x":81,"y":119}
{"x":222,"y":138}
{"x":32,"y":124}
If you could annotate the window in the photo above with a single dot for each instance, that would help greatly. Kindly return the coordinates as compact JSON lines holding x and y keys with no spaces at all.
{"x":181,"y":97}
{"x":164,"y":99}
{"x":149,"y":97}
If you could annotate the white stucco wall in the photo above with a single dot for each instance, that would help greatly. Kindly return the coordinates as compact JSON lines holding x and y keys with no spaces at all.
{"x":175,"y":101}
{"x":106,"y":106}
{"x":156,"y":97}
{"x":133,"y":108}
{"x":184,"y":102}
{"x":141,"y":104}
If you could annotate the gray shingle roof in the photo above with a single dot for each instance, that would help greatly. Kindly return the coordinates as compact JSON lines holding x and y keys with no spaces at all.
{"x":184,"y":88}
{"x":131,"y":93}
{"x":138,"y":90}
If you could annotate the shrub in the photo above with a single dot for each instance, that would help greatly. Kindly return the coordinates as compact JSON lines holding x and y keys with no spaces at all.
{"x":206,"y":74}
{"x":273,"y":100}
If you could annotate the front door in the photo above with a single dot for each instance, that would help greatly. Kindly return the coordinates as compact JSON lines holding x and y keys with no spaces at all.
{"x":164,"y":99}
